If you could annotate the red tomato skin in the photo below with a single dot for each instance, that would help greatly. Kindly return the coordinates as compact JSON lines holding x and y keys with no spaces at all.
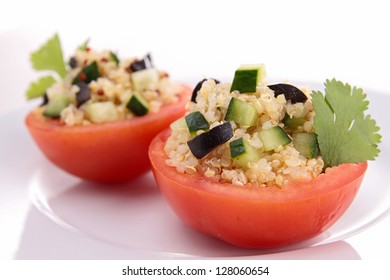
{"x":252,"y":217}
{"x":111,"y":152}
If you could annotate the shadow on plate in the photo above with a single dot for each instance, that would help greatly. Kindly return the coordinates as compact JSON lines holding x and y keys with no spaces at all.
{"x":135,"y":219}
{"x":42,"y":240}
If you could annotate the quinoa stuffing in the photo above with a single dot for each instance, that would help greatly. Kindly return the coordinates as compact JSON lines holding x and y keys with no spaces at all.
{"x":96,"y":86}
{"x":272,"y":140}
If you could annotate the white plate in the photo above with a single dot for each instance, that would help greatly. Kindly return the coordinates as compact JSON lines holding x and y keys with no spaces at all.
{"x":133,"y":218}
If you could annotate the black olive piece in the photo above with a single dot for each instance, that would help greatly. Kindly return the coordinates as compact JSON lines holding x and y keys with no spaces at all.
{"x":45,"y":99}
{"x":84,"y":94}
{"x":148,"y":57}
{"x":142,"y":64}
{"x":290,"y":92}
{"x":198,"y":87}
{"x":204,"y":143}
{"x":73,"y":62}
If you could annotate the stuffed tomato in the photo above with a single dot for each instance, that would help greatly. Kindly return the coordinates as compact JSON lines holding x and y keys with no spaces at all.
{"x":99,"y":113}
{"x":255,"y":217}
{"x":252,"y":163}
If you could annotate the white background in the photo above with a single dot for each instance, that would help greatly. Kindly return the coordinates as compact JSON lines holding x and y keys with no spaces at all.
{"x":298,"y":40}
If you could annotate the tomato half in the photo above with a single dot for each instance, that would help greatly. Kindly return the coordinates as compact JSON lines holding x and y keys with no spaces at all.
{"x":108,"y":152}
{"x":254,"y":217}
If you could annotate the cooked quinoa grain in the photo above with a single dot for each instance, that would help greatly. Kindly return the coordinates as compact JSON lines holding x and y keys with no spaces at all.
{"x":114,"y":86}
{"x":279,"y":166}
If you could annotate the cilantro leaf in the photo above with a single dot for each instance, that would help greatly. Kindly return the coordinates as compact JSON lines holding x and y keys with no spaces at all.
{"x":114,"y":57}
{"x":50,"y":57}
{"x":345,"y":134}
{"x":84,"y":45}
{"x":38,"y":88}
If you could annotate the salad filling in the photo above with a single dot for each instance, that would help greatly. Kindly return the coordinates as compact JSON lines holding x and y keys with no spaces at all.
{"x":273,"y":138}
{"x":95,"y":86}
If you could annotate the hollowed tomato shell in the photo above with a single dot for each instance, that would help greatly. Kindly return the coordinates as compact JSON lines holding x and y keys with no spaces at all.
{"x":256,"y":217}
{"x":109,"y":152}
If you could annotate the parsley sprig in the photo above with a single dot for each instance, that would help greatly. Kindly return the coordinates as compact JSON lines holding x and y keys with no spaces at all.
{"x":48,"y":57}
{"x":345,"y":133}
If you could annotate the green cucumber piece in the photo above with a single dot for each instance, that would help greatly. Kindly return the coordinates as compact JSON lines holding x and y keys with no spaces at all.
{"x":101,"y":112}
{"x":243,"y":153}
{"x":138,"y":105}
{"x":293,"y":122}
{"x":247,"y":77}
{"x":196,"y":121}
{"x":84,"y":45}
{"x":306,"y":144}
{"x":145,"y":79}
{"x":87,"y":74}
{"x":56,"y":104}
{"x":241,"y":113}
{"x":274,"y":137}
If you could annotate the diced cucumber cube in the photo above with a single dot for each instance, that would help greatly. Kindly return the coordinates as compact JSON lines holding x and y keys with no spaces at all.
{"x":88,"y":73}
{"x":243,"y":153}
{"x":196,"y":121}
{"x":293,"y":122}
{"x":241,"y":113}
{"x":138,"y":105}
{"x":101,"y":112}
{"x":247,"y":77}
{"x":274,"y":137}
{"x":56,"y":104}
{"x":306,"y":144}
{"x":145,"y":79}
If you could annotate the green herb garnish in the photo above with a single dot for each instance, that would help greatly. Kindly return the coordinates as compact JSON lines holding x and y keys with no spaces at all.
{"x":84,"y":45}
{"x":49,"y":57}
{"x":345,"y":134}
{"x":114,"y":57}
{"x":39,"y":87}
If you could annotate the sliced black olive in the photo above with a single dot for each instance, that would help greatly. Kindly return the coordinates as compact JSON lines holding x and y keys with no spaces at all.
{"x":87,"y":74}
{"x":290,"y":92}
{"x":142,"y":64}
{"x":45,"y":99}
{"x":204,"y":143}
{"x":84,"y":94}
{"x":73,"y":62}
{"x":198,"y":87}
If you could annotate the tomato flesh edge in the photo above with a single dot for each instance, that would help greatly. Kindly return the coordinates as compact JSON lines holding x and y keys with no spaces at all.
{"x":110,"y":152}
{"x":253,"y":217}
